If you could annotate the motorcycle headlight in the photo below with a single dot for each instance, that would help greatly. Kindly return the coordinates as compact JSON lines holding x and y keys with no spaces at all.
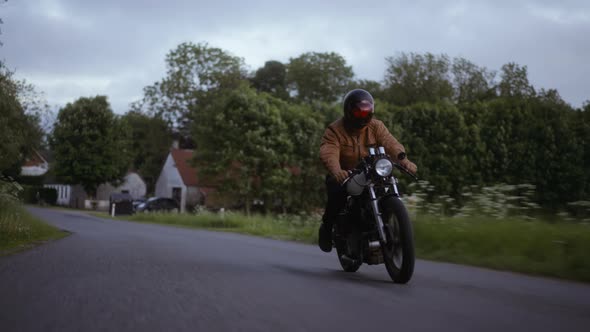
{"x":383,"y":167}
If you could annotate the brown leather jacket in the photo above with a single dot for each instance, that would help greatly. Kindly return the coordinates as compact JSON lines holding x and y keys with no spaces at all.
{"x":342,"y":148}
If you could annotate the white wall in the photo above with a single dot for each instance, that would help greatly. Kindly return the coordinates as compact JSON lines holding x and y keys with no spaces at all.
{"x":132,"y":182}
{"x":34,"y":170}
{"x":168,"y":179}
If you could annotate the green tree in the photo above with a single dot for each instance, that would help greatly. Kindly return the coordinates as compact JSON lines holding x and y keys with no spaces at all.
{"x":582,"y":132}
{"x":471,"y":83}
{"x":20,"y":131}
{"x":150,"y":141}
{"x":272,"y":78}
{"x":194,"y":71}
{"x":411,"y":78}
{"x":500,"y":122}
{"x":436,"y":138}
{"x":90,"y":144}
{"x":537,"y":140}
{"x":515,"y":81}
{"x":305,"y":126}
{"x":243,"y":144}
{"x":319,"y":77}
{"x":559,"y":172}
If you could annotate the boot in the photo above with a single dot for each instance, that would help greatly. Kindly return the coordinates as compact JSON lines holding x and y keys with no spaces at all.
{"x":325,"y":236}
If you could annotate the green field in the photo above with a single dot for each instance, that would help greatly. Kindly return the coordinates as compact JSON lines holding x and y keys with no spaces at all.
{"x":558,"y":249}
{"x":20,"y":230}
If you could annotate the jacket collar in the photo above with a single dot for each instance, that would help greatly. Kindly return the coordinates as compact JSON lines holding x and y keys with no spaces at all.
{"x":355,"y":131}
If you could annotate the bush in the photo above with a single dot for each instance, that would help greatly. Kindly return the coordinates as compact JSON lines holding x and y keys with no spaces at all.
{"x":49,"y":195}
{"x":29,"y":194}
{"x":36,"y":194}
{"x":31,"y":180}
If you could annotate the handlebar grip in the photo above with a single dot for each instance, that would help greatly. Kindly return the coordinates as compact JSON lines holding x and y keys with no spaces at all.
{"x":405,"y":170}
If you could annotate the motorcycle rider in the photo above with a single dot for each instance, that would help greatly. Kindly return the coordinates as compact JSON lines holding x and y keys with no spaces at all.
{"x":344,"y":143}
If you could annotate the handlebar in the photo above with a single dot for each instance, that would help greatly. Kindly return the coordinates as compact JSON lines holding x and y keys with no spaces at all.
{"x":405,"y":170}
{"x":352,"y":173}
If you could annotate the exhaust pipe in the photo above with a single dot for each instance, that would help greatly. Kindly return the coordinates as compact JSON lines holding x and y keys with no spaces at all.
{"x":349,"y":260}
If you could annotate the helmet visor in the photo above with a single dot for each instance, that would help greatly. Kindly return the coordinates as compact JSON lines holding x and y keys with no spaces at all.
{"x":363,"y":110}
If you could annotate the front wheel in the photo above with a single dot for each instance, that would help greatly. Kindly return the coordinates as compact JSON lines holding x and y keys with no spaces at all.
{"x":398,"y":253}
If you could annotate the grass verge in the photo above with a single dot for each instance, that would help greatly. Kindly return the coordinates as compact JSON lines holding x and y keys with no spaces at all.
{"x":558,"y":249}
{"x":20,"y":230}
{"x":533,"y":247}
{"x":292,"y":228}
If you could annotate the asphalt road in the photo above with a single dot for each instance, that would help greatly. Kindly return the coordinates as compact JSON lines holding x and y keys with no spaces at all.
{"x":123,"y":276}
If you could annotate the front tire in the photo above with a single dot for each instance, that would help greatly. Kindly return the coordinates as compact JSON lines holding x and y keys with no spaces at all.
{"x":399,"y":251}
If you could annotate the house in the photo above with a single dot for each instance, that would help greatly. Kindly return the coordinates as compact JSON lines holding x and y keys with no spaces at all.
{"x":35,"y":165}
{"x":132,"y":184}
{"x":64,"y":193}
{"x":178,"y":180}
{"x":75,"y":196}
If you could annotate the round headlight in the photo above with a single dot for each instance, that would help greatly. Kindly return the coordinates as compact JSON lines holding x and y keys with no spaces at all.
{"x":383,"y":167}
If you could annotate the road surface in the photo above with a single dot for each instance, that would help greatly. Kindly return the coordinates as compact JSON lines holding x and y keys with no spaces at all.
{"x":114,"y":275}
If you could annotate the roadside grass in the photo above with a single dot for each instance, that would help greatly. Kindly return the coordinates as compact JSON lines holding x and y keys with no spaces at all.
{"x":558,"y":249}
{"x":20,"y":230}
{"x":293,"y":228}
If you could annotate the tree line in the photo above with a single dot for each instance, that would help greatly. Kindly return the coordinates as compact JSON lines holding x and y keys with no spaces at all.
{"x":257,"y":133}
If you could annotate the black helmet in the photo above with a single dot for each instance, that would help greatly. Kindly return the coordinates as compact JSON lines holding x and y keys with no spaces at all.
{"x":358,"y":108}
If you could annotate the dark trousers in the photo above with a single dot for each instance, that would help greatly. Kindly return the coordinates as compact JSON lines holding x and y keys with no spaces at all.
{"x":336,"y":199}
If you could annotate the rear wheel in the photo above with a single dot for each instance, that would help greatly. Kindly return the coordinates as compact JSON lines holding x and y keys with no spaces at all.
{"x":346,"y":256}
{"x":348,"y":265}
{"x":398,"y":253}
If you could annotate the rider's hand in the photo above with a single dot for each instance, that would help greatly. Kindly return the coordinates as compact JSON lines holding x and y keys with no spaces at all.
{"x":410,"y":166}
{"x":340,"y":176}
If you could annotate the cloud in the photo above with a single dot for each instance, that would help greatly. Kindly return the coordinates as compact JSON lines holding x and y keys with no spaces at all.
{"x":71,"y":48}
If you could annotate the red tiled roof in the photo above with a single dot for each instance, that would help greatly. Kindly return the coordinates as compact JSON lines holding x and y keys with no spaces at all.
{"x":182,"y":159}
{"x":35,"y":159}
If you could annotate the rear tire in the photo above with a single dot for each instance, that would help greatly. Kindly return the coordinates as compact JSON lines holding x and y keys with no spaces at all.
{"x":341,"y":240}
{"x":347,"y":266}
{"x":399,"y":251}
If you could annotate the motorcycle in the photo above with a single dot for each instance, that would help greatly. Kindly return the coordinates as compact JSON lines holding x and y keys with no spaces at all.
{"x":374,"y":227}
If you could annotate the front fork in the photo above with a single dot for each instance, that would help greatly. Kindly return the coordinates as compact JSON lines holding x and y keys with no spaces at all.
{"x":377,"y":212}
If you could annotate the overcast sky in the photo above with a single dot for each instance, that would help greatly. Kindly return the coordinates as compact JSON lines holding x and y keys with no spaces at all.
{"x":74,"y":48}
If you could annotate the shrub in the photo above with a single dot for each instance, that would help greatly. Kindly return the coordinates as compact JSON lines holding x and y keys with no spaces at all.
{"x":36,"y":195}
{"x":49,"y":195}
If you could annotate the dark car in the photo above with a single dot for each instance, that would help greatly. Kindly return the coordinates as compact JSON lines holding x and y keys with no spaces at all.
{"x":137,"y":203}
{"x":121,"y":203}
{"x":159,"y":204}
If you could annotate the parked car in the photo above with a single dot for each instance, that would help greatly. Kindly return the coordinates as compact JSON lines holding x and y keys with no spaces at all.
{"x":122,"y":203}
{"x":159,"y":204}
{"x":138,"y":202}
